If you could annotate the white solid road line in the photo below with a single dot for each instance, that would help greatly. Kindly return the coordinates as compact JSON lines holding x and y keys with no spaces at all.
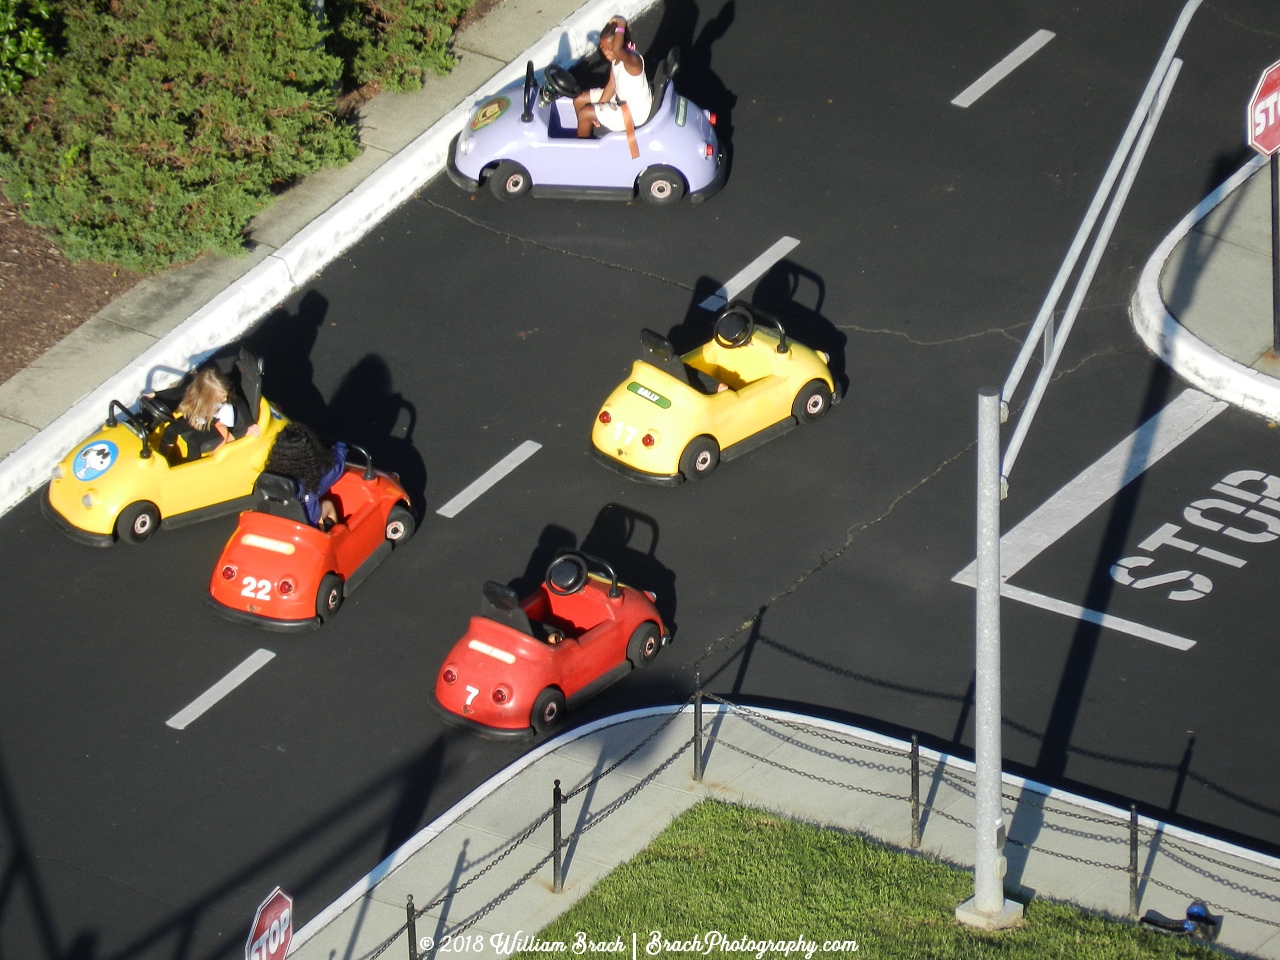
{"x":750,"y":273}
{"x":487,"y":479}
{"x":1097,"y":484}
{"x":252,"y":664}
{"x":1026,"y":50}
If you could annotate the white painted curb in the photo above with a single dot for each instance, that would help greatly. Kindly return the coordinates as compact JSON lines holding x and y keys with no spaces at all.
{"x":238,"y":307}
{"x":428,"y":833}
{"x":1189,"y":356}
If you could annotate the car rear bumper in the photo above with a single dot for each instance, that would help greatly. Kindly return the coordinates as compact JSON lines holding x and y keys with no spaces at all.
{"x":712,"y":188}
{"x":456,"y":175}
{"x":258,"y":620}
{"x":631,"y":473}
{"x":480,"y":729}
{"x":69,"y":528}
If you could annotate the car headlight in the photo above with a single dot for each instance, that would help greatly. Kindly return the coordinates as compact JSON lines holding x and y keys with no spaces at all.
{"x":88,"y":500}
{"x":57,"y":472}
{"x":464,"y":146}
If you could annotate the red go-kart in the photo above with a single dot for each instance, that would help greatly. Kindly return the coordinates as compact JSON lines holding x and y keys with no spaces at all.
{"x":523,"y":663}
{"x":282,"y":573}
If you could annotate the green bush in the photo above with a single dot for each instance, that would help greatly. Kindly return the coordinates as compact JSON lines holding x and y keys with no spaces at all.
{"x":394,"y":43}
{"x":24,"y":45}
{"x":167,"y":124}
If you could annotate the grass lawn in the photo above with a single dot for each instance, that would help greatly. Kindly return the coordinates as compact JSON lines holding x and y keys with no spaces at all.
{"x":753,"y":876}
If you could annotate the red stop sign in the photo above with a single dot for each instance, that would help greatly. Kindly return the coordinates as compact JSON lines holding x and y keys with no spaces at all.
{"x":272,"y":928}
{"x":1263,"y":121}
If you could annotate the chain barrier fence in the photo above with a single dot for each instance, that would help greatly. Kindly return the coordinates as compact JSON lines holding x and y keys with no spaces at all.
{"x":859,"y":757}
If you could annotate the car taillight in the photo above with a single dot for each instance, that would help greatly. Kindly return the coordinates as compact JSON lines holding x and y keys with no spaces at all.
{"x":711,"y":151}
{"x":712,"y":117}
{"x":228,"y":572}
{"x":647,"y":440}
{"x":501,"y":694}
{"x":604,"y":417}
{"x":450,"y":675}
{"x":285,"y":587}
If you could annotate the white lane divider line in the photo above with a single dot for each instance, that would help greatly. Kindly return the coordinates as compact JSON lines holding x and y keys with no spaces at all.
{"x":487,"y":479}
{"x":1095,"y":485}
{"x":1026,"y":50}
{"x":750,"y":273}
{"x":252,"y":664}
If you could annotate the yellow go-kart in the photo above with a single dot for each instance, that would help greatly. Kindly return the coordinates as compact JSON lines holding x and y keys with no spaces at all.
{"x":131,"y":477}
{"x":676,"y":417}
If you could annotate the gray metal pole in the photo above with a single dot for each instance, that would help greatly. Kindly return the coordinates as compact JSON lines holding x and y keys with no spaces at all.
{"x":1275,"y":253}
{"x":988,"y":908}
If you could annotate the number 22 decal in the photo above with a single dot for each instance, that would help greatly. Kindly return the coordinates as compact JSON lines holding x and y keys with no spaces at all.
{"x":263,"y":589}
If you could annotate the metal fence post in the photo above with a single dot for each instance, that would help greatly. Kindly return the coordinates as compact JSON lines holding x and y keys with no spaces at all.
{"x":915,"y":790}
{"x":697,"y":726}
{"x":557,"y":868}
{"x":411,"y":916}
{"x":1133,"y":860}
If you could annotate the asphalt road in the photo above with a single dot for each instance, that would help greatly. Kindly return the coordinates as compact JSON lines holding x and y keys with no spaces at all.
{"x":815,"y":572}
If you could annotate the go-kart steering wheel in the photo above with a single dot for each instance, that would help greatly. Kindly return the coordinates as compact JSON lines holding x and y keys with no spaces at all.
{"x":562,"y":82}
{"x":734,"y":326}
{"x":157,"y":410}
{"x":567,"y":575}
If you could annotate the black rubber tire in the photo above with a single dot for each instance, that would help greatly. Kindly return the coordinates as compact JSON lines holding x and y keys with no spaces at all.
{"x":400,"y":525}
{"x":645,"y":642}
{"x":329,"y":597}
{"x":700,"y":458}
{"x":509,"y":181}
{"x":812,"y":402}
{"x":660,"y":186}
{"x":548,"y":710}
{"x":138,"y":521}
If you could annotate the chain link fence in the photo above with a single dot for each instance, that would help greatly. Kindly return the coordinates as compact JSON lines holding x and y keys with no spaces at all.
{"x":861,"y":759}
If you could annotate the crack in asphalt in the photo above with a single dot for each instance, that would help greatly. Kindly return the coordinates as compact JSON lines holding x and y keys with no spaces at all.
{"x":1258,"y":31}
{"x":561,"y":250}
{"x":826,"y":558}
{"x":857,"y":528}
{"x":1003,"y":331}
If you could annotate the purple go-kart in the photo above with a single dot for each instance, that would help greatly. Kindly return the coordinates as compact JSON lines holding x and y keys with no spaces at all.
{"x":537,"y":149}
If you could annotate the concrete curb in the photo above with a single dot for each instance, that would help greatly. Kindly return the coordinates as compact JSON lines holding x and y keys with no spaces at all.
{"x":1189,"y":356}
{"x":238,"y":307}
{"x":415,"y":844}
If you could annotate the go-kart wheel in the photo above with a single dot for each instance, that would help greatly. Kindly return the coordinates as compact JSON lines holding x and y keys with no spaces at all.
{"x":644,"y":644}
{"x":700,"y":457}
{"x":661,"y":186}
{"x":400,"y":524}
{"x":813,"y":400}
{"x":137,"y":522}
{"x":509,"y":181}
{"x":562,"y":82}
{"x":548,"y":710}
{"x":329,"y":597}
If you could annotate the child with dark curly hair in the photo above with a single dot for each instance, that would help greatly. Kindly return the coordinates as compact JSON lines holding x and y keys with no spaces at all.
{"x":314,"y":467}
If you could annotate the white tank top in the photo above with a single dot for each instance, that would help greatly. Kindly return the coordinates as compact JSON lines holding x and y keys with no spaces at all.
{"x":633,"y":91}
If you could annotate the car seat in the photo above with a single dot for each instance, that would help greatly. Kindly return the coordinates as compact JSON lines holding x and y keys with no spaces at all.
{"x":278,"y":496}
{"x":661,"y":77}
{"x":503,"y":605}
{"x":657,"y":350}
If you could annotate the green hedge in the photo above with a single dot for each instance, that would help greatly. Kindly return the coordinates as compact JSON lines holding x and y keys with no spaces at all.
{"x":393,"y":43}
{"x":24,"y":44}
{"x":164,"y":125}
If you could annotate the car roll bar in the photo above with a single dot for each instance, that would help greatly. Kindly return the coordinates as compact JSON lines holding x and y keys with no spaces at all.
{"x":368,"y":461}
{"x":131,"y":421}
{"x":760,"y":314}
{"x":530,"y":86}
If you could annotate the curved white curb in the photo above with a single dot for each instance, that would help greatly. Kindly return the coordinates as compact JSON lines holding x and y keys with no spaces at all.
{"x":241,"y":305}
{"x":428,"y":833}
{"x":1189,"y":356}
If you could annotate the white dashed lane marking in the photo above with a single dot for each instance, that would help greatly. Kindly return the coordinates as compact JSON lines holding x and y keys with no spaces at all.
{"x":1025,"y":51}
{"x":749,"y":274}
{"x":255,"y":662}
{"x":487,"y":479}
